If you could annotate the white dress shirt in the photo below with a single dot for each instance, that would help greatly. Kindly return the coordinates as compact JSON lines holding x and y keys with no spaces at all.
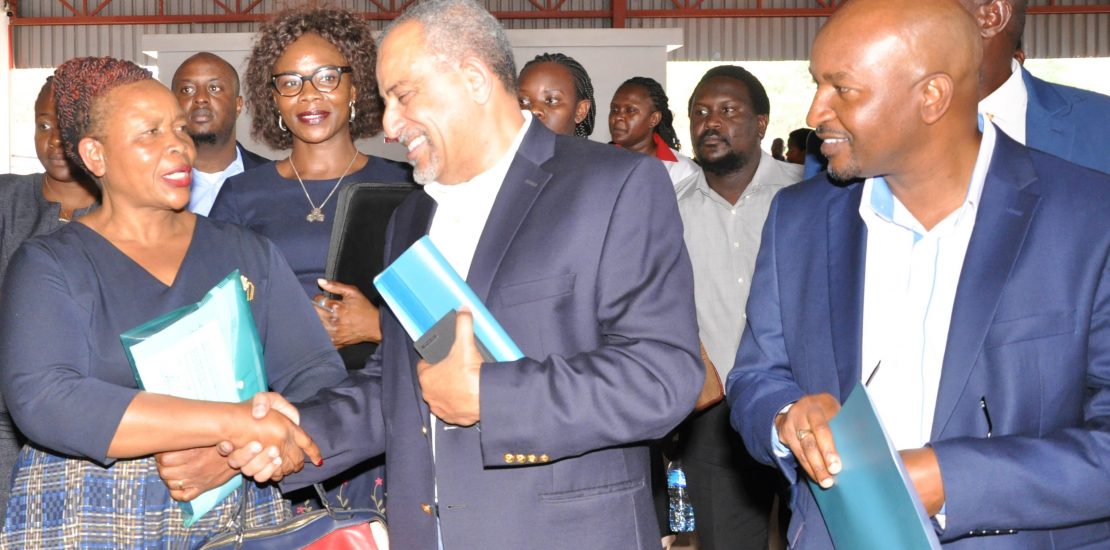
{"x":723,"y":241}
{"x":910,"y":282}
{"x":205,"y":185}
{"x":461,"y":213}
{"x":1006,"y":106}
{"x":462,"y":208}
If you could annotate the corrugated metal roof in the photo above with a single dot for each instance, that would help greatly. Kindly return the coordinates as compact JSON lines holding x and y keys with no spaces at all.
{"x":707,"y":39}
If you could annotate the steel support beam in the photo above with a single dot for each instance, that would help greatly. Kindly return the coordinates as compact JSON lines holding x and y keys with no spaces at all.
{"x":86,"y":12}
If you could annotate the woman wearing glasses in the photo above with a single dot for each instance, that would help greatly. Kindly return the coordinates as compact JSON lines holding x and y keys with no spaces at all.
{"x":311,"y":89}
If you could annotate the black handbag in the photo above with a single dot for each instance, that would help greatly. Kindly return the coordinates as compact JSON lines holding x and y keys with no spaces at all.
{"x":328,"y":529}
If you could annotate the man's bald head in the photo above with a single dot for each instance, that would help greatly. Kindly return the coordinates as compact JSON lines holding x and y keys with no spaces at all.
{"x":892,"y":74}
{"x":213,"y":63}
{"x":207,"y":87}
{"x":923,"y":36}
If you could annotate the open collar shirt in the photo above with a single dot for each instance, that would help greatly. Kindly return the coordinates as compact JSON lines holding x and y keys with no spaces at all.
{"x":723,"y":241}
{"x":910,"y":280}
{"x":206,"y":185}
{"x":1006,"y":106}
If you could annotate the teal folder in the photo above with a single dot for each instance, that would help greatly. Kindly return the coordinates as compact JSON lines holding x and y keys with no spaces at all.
{"x":208,"y":351}
{"x":421,"y":287}
{"x":873,"y":504}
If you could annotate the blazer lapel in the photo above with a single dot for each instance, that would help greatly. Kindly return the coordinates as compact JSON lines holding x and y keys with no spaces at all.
{"x":1005,"y":211}
{"x":408,"y":228}
{"x":847,"y":252}
{"x":522,"y":185}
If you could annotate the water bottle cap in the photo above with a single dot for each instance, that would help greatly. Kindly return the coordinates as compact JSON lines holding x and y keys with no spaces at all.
{"x":676,"y":478}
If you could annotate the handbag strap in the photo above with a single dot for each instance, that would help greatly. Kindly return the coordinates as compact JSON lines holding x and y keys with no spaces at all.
{"x":238,"y":522}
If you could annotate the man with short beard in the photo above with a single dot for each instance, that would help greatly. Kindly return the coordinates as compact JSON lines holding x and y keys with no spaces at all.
{"x":207,"y":87}
{"x":723,"y":216}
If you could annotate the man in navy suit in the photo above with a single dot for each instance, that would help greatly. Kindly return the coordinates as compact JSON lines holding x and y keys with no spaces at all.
{"x":577,"y":249}
{"x":207,"y":87}
{"x":1064,"y":121}
{"x":966,"y":278}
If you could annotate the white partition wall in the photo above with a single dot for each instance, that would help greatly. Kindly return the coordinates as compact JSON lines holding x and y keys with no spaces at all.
{"x":609,"y":55}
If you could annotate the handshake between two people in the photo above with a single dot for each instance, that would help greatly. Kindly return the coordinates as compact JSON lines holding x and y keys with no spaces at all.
{"x":269,"y":443}
{"x":266,"y":444}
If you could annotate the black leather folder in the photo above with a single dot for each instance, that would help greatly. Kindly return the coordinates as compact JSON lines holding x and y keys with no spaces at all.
{"x":357,"y":247}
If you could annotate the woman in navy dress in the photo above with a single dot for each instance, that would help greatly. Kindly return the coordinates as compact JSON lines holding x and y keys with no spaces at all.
{"x":312,"y":89}
{"x":88,"y":478}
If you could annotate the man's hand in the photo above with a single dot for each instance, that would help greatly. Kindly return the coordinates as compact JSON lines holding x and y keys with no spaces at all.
{"x":450,"y":387}
{"x":189,"y":473}
{"x":805,"y":430}
{"x":924,"y":470}
{"x":352,"y":319}
{"x":269,"y":445}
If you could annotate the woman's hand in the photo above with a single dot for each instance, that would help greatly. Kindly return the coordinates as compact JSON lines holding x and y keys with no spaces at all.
{"x":189,"y":473}
{"x":350,"y":320}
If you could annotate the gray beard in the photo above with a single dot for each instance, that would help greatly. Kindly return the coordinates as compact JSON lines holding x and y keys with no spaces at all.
{"x":429,"y":173}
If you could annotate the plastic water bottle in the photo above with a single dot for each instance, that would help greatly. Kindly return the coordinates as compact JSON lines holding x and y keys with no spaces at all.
{"x":681,"y":510}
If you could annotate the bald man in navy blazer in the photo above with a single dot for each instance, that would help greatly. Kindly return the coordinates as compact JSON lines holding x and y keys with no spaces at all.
{"x":1010,"y":441}
{"x":580,"y":258}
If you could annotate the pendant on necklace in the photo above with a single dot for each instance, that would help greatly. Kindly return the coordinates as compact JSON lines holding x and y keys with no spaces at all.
{"x":316,"y":215}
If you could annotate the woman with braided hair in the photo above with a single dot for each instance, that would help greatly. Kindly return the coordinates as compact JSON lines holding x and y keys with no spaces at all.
{"x":557,"y":91}
{"x":88,"y":476}
{"x":640,"y":120}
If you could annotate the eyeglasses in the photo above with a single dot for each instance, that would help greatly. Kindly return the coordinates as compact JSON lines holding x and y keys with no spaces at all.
{"x":325,"y":79}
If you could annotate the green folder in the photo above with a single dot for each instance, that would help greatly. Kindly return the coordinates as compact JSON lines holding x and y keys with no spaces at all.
{"x":873,"y":504}
{"x":207,"y":351}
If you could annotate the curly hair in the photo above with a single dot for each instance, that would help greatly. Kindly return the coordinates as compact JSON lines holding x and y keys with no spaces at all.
{"x":79,"y":85}
{"x":583,"y":87}
{"x":349,"y":33}
{"x":660,"y":103}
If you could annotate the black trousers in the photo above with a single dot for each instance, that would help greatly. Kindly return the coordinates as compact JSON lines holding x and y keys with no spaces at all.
{"x":732,"y":494}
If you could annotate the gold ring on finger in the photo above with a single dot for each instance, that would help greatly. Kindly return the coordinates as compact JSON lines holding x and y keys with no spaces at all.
{"x":802,"y":434}
{"x":180,"y":485}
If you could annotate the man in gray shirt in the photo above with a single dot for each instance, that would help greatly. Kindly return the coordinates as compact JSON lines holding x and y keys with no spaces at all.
{"x":723,"y":215}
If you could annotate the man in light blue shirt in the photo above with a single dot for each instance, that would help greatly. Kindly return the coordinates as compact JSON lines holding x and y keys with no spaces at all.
{"x":959,"y":275}
{"x":207,"y":87}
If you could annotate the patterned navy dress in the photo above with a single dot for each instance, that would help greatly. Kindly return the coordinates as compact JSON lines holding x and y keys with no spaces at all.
{"x":66,"y":379}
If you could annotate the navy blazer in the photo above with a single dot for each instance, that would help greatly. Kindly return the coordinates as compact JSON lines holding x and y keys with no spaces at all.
{"x":250,"y":160}
{"x":1068,"y":122}
{"x":1030,"y":332}
{"x":582,"y":261}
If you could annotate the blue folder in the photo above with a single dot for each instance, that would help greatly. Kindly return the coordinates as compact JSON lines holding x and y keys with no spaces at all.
{"x":421,"y":287}
{"x":873,"y":504}
{"x":209,"y":351}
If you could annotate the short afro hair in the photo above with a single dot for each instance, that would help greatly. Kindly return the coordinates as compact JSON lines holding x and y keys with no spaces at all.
{"x":79,"y":85}
{"x":349,"y":33}
{"x":760,"y":102}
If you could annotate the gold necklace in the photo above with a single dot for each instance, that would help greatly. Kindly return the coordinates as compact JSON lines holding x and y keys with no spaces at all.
{"x":317,"y":212}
